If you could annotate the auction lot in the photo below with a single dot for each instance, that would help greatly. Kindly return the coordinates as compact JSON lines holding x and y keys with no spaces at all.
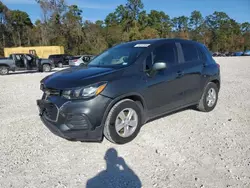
{"x":184,"y":149}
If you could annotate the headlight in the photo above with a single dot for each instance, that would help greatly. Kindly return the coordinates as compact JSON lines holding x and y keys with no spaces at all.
{"x":85,"y":92}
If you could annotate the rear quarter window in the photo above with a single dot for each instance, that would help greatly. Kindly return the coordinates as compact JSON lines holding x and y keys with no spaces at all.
{"x":190,"y":52}
{"x":207,"y":54}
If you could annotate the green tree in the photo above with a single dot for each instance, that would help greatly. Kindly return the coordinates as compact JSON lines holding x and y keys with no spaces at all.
{"x":245,"y":31}
{"x":196,"y":25}
{"x":20,"y":22}
{"x":143,"y":20}
{"x":160,"y":22}
{"x":180,"y":25}
{"x":134,"y":7}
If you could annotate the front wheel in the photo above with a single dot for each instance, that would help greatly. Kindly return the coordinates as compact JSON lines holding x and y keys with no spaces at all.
{"x":4,"y":70}
{"x":123,"y":122}
{"x":209,"y":98}
{"x":46,"y":68}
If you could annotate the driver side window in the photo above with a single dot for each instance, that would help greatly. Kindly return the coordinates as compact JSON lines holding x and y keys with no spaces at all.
{"x":166,"y":53}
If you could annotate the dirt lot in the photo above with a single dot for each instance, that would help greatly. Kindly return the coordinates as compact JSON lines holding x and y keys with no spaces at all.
{"x":185,"y":149}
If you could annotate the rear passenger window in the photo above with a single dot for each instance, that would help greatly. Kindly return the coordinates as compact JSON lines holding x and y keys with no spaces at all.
{"x":190,"y":52}
{"x":165,"y":53}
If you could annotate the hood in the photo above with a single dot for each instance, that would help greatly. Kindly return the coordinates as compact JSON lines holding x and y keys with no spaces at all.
{"x":79,"y":76}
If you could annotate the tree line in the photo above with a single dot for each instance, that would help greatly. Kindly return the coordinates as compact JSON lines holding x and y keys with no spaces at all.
{"x":62,"y":24}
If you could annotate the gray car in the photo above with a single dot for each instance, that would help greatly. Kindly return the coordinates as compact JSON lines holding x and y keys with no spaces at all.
{"x":17,"y":62}
{"x":82,"y":60}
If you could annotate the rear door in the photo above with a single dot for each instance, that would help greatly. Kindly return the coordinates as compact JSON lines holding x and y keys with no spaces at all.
{"x":191,"y":66}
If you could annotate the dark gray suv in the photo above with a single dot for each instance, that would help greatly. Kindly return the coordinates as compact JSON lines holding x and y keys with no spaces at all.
{"x":126,"y":86}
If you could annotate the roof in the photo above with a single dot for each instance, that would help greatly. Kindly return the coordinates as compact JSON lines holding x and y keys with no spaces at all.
{"x":158,"y":40}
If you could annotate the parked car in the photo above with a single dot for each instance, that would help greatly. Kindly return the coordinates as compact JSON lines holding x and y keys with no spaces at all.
{"x":24,"y":62}
{"x":126,"y":86}
{"x":246,"y":53}
{"x":60,"y":59}
{"x":229,"y":54}
{"x":238,"y":53}
{"x":80,"y":60}
{"x":219,"y":54}
{"x":216,"y":54}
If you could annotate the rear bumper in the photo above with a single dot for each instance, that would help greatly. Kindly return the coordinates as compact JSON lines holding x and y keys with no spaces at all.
{"x":74,"y":64}
{"x":74,"y":120}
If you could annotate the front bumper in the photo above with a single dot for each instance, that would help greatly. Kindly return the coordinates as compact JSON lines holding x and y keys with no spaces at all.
{"x":74,"y":120}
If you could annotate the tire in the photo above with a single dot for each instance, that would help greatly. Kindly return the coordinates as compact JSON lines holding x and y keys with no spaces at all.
{"x":60,"y":65}
{"x":46,"y":68}
{"x":204,"y":104}
{"x":4,"y":70}
{"x":110,"y":128}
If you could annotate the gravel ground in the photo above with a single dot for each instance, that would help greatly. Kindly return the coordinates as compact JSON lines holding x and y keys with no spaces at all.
{"x":185,"y":149}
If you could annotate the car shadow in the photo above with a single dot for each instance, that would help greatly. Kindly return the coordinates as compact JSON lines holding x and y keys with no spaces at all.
{"x":116,"y":174}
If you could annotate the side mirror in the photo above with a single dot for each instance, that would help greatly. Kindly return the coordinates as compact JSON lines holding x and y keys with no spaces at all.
{"x":159,"y":66}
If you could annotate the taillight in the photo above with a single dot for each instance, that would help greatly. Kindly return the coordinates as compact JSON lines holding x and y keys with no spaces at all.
{"x":75,"y":60}
{"x":218,"y":65}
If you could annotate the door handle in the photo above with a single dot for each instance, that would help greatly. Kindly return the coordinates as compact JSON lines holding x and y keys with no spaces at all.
{"x":180,"y":74}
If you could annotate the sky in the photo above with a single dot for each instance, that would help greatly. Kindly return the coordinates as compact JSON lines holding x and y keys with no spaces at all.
{"x":98,"y":9}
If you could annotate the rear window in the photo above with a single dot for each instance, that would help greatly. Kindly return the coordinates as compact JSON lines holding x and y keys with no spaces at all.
{"x":75,"y":57}
{"x":190,"y":52}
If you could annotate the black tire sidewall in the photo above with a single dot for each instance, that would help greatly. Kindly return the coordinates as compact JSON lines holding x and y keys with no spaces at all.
{"x":111,"y":124}
{"x":209,"y":86}
{"x":1,"y":67}
{"x":60,"y":64}
{"x":44,"y":68}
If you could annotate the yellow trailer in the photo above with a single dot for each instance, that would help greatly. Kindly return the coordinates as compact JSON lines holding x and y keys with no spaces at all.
{"x":40,"y":51}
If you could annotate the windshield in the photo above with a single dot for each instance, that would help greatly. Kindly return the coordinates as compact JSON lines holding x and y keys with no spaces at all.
{"x":123,"y":55}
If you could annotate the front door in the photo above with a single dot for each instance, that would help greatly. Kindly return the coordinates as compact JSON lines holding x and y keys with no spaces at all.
{"x":18,"y":58}
{"x":164,"y":89}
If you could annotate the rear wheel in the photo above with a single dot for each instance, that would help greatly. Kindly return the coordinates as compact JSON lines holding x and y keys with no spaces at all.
{"x":4,"y":70}
{"x":60,"y":65}
{"x":46,"y":68}
{"x":123,"y":122}
{"x":209,"y":98}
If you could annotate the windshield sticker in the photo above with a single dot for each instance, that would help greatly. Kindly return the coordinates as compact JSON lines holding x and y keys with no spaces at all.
{"x":142,"y":45}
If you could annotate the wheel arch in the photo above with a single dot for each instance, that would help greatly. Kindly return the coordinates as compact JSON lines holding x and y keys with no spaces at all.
{"x":46,"y":63}
{"x":132,"y":96}
{"x":3,"y":64}
{"x":217,"y":82}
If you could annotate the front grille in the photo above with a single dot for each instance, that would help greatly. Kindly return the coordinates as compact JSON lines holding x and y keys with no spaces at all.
{"x":51,"y":112}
